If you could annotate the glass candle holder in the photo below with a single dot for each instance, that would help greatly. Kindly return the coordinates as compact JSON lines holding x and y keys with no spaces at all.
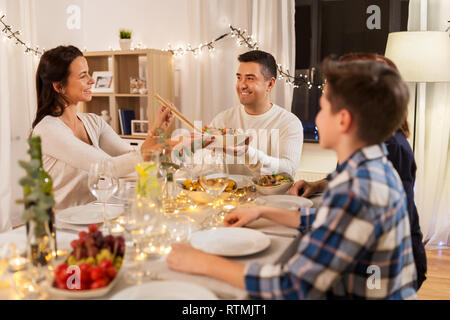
{"x":26,"y":285}
{"x":18,"y":263}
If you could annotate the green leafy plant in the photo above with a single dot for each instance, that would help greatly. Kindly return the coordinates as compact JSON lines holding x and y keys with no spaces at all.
{"x":125,"y":34}
{"x":38,"y":198}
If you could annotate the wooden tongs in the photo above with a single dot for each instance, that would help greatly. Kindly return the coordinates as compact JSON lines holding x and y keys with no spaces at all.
{"x":176,"y":113}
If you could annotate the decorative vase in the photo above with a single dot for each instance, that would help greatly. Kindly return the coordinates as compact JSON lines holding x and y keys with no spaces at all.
{"x":125,"y":44}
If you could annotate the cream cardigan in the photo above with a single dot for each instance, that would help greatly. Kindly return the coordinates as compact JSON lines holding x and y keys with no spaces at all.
{"x":67,"y":159}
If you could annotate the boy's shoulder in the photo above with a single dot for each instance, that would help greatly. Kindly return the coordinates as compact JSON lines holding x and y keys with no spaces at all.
{"x":370,"y":177}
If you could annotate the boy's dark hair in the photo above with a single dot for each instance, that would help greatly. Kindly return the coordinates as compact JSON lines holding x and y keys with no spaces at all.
{"x":404,"y":127}
{"x":266,"y":60}
{"x":372,"y":92}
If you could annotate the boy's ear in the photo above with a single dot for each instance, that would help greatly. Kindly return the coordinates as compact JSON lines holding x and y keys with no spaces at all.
{"x":345,"y":121}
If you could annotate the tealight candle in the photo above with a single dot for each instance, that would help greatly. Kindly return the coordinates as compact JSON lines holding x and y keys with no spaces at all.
{"x":18,"y":263}
{"x":229,"y":207}
{"x":117,"y":230}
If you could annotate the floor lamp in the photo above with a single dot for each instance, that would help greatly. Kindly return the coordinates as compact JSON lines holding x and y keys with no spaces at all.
{"x":421,"y":57}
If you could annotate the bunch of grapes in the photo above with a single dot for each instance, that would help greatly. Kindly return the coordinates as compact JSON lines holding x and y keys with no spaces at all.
{"x":98,"y":257}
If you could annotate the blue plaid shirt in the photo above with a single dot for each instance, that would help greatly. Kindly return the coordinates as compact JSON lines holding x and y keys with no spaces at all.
{"x":356,"y":244}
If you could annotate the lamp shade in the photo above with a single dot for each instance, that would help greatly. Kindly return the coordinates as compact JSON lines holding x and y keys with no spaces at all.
{"x":420,"y":56}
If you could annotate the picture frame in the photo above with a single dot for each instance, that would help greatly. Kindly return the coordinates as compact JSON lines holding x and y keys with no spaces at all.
{"x":139,"y":127}
{"x":103,"y":82}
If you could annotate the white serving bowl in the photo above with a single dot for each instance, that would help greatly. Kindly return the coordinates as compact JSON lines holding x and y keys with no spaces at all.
{"x":229,"y":140}
{"x":271,"y":190}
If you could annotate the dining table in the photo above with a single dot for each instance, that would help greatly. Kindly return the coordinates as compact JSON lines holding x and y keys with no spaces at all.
{"x":283,"y":245}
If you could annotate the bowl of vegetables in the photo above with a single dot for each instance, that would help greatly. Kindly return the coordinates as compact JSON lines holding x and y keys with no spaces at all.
{"x":277,"y":183}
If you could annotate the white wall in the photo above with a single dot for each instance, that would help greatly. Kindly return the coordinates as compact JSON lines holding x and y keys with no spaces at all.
{"x":154,"y":23}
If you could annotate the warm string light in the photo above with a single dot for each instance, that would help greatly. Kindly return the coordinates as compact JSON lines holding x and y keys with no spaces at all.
{"x":241,"y":36}
{"x":14,"y":36}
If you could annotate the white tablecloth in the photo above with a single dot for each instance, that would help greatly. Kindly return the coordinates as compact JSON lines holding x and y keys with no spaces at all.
{"x":223,"y":290}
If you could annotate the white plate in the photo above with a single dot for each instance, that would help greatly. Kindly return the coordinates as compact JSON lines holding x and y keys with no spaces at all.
{"x":165,"y":290}
{"x":230,"y":242}
{"x":87,"y":214}
{"x":288,"y":202}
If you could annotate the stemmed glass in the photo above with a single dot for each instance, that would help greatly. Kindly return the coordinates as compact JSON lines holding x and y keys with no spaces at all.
{"x":103,"y":183}
{"x":144,"y":225}
{"x":214,"y":180}
{"x":214,"y":177}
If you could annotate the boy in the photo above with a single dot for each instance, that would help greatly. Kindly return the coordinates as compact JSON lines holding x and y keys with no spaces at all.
{"x":361,"y":226}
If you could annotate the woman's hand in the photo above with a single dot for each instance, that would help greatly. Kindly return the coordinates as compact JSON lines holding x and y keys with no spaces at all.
{"x":151,"y":145}
{"x":306,"y":189}
{"x":185,"y":258}
{"x":242,"y":216}
{"x":164,"y":118}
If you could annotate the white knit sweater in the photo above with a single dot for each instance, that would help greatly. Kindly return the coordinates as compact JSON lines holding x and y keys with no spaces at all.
{"x":67,"y":159}
{"x":277,"y":138}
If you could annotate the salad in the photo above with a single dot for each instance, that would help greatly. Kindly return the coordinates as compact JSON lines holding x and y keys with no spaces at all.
{"x":221,"y":131}
{"x":271,"y":180}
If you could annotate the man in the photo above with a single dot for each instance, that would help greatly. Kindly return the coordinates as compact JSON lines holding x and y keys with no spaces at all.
{"x":277,"y":134}
{"x":362,"y":223}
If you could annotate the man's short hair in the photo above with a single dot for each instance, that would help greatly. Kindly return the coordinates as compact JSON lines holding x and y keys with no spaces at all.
{"x":266,"y":60}
{"x":373,"y":93}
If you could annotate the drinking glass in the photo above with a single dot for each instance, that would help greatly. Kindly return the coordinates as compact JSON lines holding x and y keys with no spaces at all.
{"x":214,"y":178}
{"x":103,"y":183}
{"x":143,"y":226}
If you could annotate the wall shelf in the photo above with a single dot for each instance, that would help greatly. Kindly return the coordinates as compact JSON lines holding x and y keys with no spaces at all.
{"x":156,"y":66}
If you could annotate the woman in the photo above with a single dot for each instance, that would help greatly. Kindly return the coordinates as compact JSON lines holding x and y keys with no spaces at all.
{"x":71,"y":141}
{"x":402,"y":158}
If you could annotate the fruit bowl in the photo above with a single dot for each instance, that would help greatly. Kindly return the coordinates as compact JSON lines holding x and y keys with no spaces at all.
{"x":93,"y":267}
{"x":84,"y":294}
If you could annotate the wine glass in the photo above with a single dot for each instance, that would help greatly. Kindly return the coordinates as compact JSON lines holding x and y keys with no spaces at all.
{"x":214,"y":178}
{"x":143,"y":225}
{"x":103,"y":183}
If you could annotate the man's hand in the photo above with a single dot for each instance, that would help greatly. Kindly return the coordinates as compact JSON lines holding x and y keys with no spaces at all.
{"x":242,"y":216}
{"x":306,"y":189}
{"x":185,"y":258}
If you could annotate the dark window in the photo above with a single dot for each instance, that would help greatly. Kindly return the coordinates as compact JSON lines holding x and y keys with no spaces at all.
{"x":325,"y":27}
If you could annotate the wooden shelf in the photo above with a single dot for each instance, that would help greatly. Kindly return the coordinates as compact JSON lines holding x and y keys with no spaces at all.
{"x":102,"y":94}
{"x":131,"y":95}
{"x":156,"y":66}
{"x":131,"y":137}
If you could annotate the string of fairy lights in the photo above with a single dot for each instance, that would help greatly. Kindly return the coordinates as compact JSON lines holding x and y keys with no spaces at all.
{"x":243,"y":38}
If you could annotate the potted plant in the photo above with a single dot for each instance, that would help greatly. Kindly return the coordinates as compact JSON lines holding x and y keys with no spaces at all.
{"x":125,"y":39}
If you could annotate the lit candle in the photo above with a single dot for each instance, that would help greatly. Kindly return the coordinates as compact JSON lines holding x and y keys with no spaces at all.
{"x":229,"y":207}
{"x":18,"y":263}
{"x":117,"y":230}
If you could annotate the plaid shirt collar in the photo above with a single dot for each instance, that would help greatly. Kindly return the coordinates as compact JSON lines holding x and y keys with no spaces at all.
{"x":360,"y":156}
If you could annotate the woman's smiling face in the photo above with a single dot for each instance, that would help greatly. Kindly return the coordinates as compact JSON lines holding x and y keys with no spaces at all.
{"x":79,"y":82}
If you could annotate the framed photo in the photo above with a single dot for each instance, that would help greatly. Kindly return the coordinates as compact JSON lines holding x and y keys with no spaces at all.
{"x":103,"y":81}
{"x":139,"y":127}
